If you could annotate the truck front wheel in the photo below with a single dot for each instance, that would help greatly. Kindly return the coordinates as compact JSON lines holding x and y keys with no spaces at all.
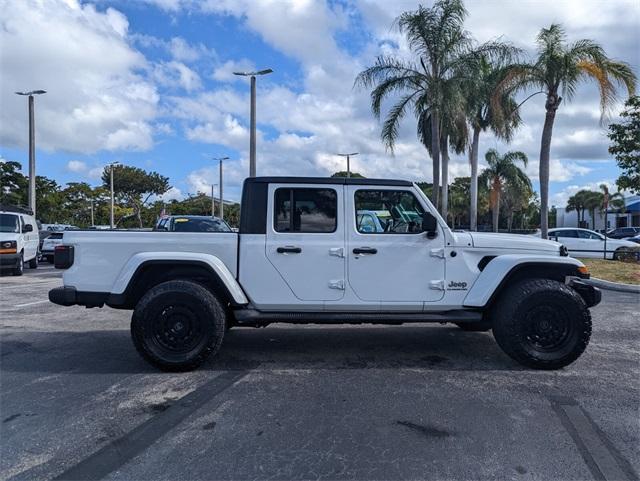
{"x":177,"y":325}
{"x":542,"y":323}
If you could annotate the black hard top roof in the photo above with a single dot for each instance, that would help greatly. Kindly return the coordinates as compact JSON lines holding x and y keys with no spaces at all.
{"x":327,"y":180}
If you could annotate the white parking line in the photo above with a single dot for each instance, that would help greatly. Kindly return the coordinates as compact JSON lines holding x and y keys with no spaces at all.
{"x":31,"y":303}
{"x":23,"y":286}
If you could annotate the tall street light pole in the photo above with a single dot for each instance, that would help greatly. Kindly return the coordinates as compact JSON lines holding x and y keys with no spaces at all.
{"x":220,"y":160}
{"x":111,"y":167}
{"x":348,"y":156}
{"x":252,"y":138}
{"x":213,"y":203}
{"x":32,"y":148}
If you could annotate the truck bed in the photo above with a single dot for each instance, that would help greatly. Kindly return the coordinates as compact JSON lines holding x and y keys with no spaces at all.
{"x":102,"y":257}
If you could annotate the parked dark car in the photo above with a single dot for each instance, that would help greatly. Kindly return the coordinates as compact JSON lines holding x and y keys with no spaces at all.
{"x":192,"y":223}
{"x":623,"y":232}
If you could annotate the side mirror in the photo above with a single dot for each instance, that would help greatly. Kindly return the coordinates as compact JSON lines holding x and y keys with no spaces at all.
{"x":429,"y":225}
{"x":27,"y":228}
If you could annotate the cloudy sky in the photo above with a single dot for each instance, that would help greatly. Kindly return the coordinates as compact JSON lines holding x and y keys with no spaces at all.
{"x":149,"y":83}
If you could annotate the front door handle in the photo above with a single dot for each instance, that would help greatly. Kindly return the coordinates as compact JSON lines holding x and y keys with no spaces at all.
{"x":365,"y":250}
{"x":289,"y":250}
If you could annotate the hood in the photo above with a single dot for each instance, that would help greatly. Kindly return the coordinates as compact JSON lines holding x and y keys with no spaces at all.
{"x":513,"y":241}
{"x":9,"y":236}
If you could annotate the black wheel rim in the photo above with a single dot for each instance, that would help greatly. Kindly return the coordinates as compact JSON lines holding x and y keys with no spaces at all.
{"x":177,"y":329}
{"x":548,"y":328}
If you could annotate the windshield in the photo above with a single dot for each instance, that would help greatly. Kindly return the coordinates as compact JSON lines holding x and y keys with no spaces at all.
{"x":9,"y":223}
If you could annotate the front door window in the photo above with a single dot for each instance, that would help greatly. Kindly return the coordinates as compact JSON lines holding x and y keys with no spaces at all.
{"x":390,"y":211}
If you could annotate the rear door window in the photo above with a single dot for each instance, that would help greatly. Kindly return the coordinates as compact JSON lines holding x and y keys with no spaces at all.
{"x":305,"y":210}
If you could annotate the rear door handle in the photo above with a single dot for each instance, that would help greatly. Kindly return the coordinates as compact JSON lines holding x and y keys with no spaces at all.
{"x":365,"y":250}
{"x":289,"y":250}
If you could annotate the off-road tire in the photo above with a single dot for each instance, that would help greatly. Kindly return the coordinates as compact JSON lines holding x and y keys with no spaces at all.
{"x":542,"y":324}
{"x":481,"y":326}
{"x":18,"y":270}
{"x":164,"y":321}
{"x":33,"y":263}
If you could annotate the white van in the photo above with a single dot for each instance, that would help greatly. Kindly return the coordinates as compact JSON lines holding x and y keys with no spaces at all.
{"x":19,"y":239}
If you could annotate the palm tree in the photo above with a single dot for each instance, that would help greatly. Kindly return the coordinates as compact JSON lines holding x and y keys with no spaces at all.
{"x":578,"y":202}
{"x":594,"y":201}
{"x":444,"y":51}
{"x":482,"y":116}
{"x":558,"y":69}
{"x":515,"y":198}
{"x":615,"y":201}
{"x":453,"y":135}
{"x":459,"y":200}
{"x":502,"y":170}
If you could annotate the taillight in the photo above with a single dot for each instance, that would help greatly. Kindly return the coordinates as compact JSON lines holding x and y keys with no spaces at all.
{"x":63,"y":257}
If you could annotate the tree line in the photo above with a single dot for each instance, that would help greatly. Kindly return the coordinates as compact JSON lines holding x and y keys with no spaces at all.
{"x":506,"y":200}
{"x":457,"y":89}
{"x":136,"y":202}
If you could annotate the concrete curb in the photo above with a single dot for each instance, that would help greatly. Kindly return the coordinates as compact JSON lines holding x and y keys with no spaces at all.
{"x":613,"y":286}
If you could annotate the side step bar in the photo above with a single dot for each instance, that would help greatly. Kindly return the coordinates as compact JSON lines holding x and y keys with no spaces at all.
{"x":253,"y":317}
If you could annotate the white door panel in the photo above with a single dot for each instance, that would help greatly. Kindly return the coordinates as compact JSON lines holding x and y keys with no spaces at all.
{"x":392,"y":267}
{"x":311,"y":263}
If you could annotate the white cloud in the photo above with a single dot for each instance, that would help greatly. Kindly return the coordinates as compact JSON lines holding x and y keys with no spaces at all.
{"x":303,"y":121}
{"x":299,"y":28}
{"x":228,"y":132}
{"x":76,"y":166}
{"x":172,"y":194}
{"x":175,"y":74}
{"x":164,"y":128}
{"x":559,"y":170}
{"x":560,"y":198}
{"x":335,"y":117}
{"x":83,"y":170}
{"x":224,"y":72}
{"x":95,"y":173}
{"x":95,"y":98}
{"x":183,"y":51}
{"x":201,"y":180}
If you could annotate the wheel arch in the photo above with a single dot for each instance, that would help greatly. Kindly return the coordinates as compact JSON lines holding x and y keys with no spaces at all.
{"x":142,"y":274}
{"x":504,"y":271}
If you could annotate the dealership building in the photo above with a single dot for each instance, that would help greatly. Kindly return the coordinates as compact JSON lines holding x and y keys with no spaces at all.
{"x":627,"y":217}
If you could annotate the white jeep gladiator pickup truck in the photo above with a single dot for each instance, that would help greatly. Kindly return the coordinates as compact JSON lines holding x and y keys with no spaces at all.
{"x":304,"y":255}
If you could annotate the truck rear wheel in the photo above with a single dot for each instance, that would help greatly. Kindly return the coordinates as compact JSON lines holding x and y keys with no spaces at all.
{"x":542,"y":323}
{"x":177,"y":325}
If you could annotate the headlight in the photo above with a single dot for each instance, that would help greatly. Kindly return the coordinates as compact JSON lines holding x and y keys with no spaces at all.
{"x":564,"y":252}
{"x":8,"y":247}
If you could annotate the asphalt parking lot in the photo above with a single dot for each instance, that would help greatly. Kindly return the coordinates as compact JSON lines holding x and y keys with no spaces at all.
{"x":405,"y":402}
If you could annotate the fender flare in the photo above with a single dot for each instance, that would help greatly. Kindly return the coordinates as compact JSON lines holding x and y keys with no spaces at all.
{"x":212,"y":262}
{"x":491,"y":279}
